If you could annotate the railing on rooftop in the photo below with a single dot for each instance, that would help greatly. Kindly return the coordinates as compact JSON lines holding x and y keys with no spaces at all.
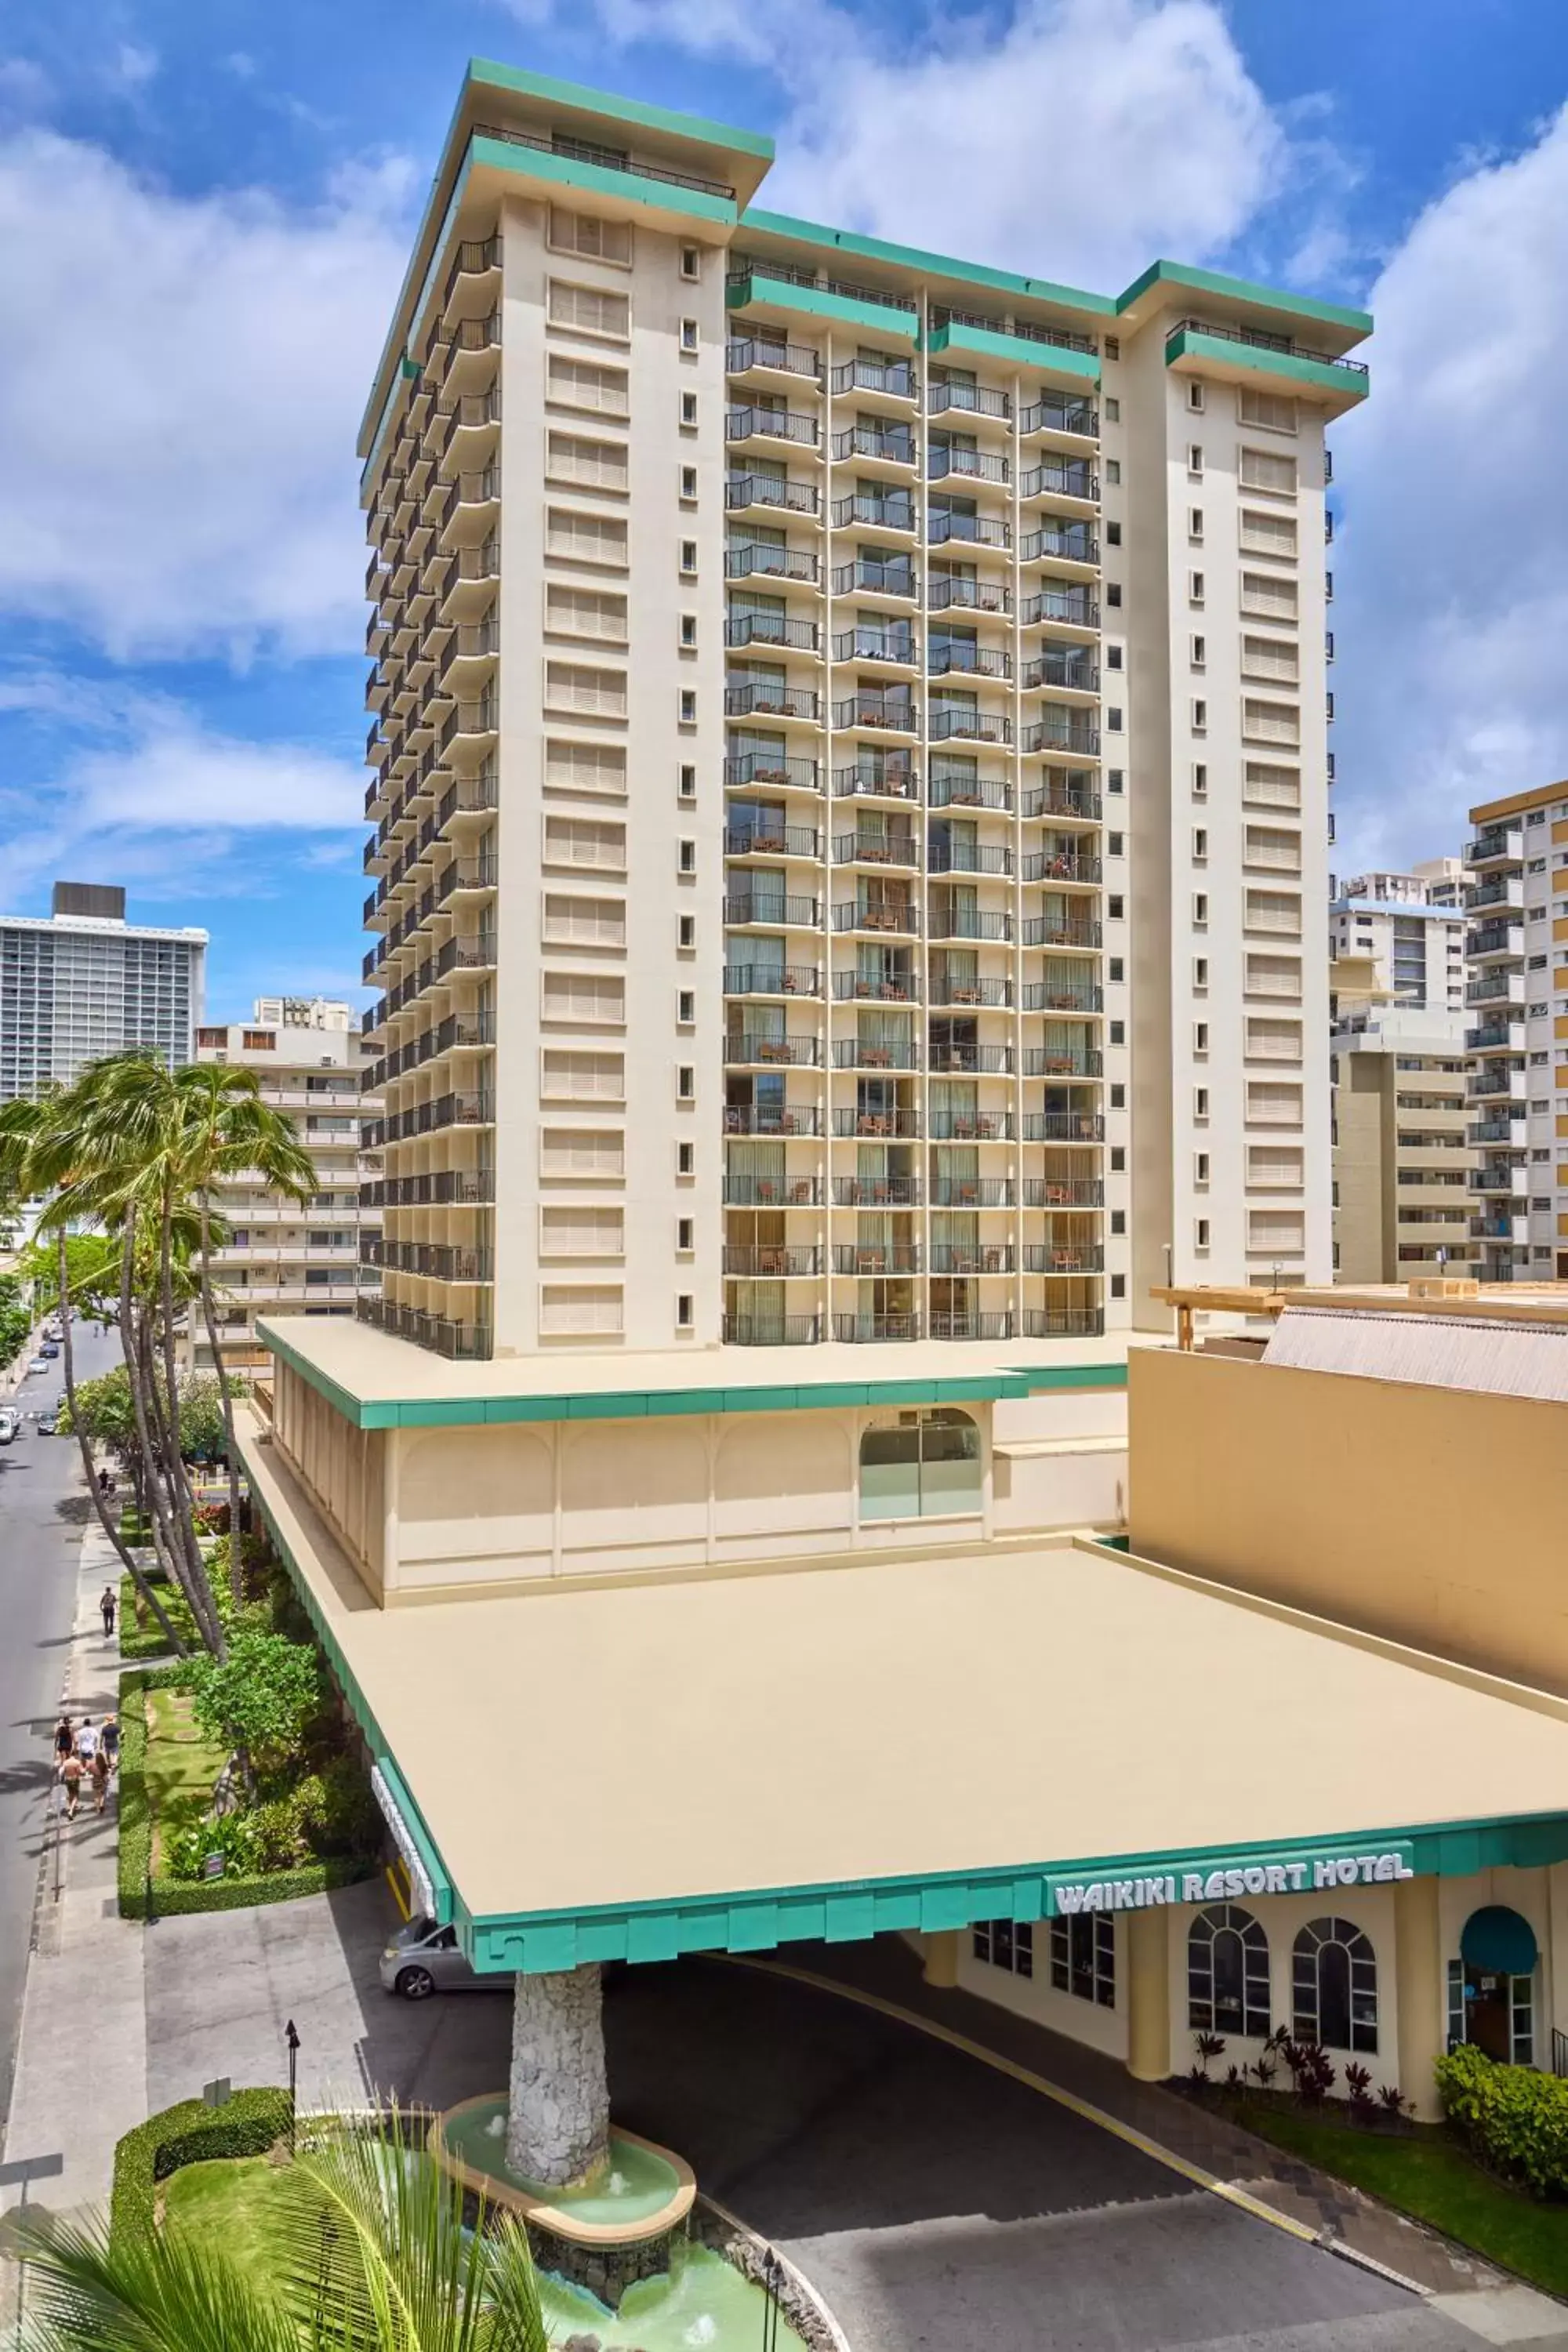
{"x":609,"y":159}
{"x":1260,"y":338}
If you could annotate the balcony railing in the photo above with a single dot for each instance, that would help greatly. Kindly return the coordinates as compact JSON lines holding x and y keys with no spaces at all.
{"x":745,"y":266}
{"x":1056,"y":666}
{"x":876,"y":849}
{"x":871,"y":709}
{"x":772,"y":1191}
{"x":949,"y":791}
{"x":1063,"y":1322}
{"x":743,"y":1051}
{"x":1061,"y":478}
{"x":586,"y":150}
{"x":1060,"y":996}
{"x":771,"y":1331}
{"x":769,"y":702}
{"x":783,"y":907}
{"x":1060,"y":865}
{"x":971,"y":400}
{"x":771,"y":424}
{"x":769,"y":768}
{"x":876,"y":1191}
{"x":970,"y":596}
{"x":972,"y":1191}
{"x":858,"y":1329}
{"x":773,"y":563}
{"x":1063,"y":1127}
{"x":883,"y":1054}
{"x":1057,"y":413}
{"x":1071,"y":607}
{"x":772,"y":840}
{"x":1064,"y":1192}
{"x":1059,"y":797}
{"x":1059,"y":931}
{"x":877,"y":915}
{"x":1495,"y":1032}
{"x":868,"y":577}
{"x":772,"y":629}
{"x":1062,"y":1062}
{"x":876,"y":988}
{"x":1065,"y":544}
{"x":949,"y":1059}
{"x":957,"y":657}
{"x":972,"y":464}
{"x":887,"y":1126}
{"x":868,"y":643}
{"x":771,"y":1118}
{"x":763,"y":351}
{"x":771,"y":980}
{"x":1054,"y":734}
{"x":953,"y":723}
{"x":972,"y":1258}
{"x":969,"y":923}
{"x":894,"y":512}
{"x":771,"y":1261}
{"x":970,"y":1323}
{"x":894,"y":379}
{"x":743,"y":490}
{"x":1261,"y":340}
{"x":894,"y":445}
{"x":968,"y":857}
{"x":984,"y":995}
{"x":971,"y":1127}
{"x":870,"y":1258}
{"x":943,"y":527}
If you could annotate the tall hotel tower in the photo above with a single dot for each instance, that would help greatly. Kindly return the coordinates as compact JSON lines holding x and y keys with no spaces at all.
{"x":851,"y":766}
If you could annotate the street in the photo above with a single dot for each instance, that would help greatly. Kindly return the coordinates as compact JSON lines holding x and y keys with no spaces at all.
{"x":42,"y":1507}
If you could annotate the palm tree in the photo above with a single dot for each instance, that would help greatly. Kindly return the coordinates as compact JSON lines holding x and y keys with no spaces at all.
{"x":228,"y":1131}
{"x":371,"y":2254}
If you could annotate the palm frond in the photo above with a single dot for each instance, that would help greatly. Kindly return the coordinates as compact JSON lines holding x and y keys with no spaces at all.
{"x":175,"y":2291}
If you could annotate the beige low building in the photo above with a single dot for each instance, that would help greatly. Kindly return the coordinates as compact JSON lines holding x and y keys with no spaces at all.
{"x":315,"y":1257}
{"x":1407,"y":1179}
{"x":733,"y":1558}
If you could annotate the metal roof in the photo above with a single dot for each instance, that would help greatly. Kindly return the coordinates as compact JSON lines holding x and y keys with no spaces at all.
{"x":1427,"y":1350}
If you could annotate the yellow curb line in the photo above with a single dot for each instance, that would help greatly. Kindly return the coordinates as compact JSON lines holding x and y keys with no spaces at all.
{"x":1195,"y":2173}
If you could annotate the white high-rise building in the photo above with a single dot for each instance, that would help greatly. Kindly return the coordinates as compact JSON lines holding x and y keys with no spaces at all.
{"x":82,"y":982}
{"x":1413,"y":927}
{"x":851,"y":764}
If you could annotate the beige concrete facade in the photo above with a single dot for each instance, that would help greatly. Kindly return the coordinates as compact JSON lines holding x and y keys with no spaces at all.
{"x":781,"y":679}
{"x":1517,"y":864}
{"x":1405,"y":1171}
{"x":315,"y":1258}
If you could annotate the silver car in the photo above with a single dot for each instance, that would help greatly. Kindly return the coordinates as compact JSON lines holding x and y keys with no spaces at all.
{"x":422,"y":1958}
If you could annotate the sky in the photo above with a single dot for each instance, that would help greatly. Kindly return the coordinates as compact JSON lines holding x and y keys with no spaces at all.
{"x":205,"y":213}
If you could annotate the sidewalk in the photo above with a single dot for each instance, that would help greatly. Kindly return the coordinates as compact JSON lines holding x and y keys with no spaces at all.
{"x":81,"y":2060}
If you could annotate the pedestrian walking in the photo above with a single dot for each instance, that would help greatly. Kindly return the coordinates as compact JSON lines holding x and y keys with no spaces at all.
{"x":64,"y":1741}
{"x":100,"y":1770}
{"x":108,"y":1741}
{"x":86,"y":1740}
{"x":107,"y":1603}
{"x":72,"y":1772}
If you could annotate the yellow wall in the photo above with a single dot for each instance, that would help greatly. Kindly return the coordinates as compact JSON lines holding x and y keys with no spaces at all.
{"x":1433,"y":1516}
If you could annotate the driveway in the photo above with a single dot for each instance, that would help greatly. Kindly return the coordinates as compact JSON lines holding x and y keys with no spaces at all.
{"x":936,"y":2203}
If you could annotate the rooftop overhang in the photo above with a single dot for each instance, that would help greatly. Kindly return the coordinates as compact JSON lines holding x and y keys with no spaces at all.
{"x":739,"y":1760}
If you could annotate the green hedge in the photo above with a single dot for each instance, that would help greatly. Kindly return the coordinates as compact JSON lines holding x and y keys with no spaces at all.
{"x":168,"y":1895}
{"x":1514,"y":2119}
{"x":192,"y":2133}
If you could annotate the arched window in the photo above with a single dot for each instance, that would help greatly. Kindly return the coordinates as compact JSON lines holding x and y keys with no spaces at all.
{"x":1334,"y":1986}
{"x":926,"y":1466}
{"x":1228,"y":1972}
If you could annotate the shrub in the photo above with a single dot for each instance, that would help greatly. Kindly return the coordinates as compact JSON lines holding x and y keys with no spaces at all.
{"x":340,"y":1815}
{"x":1514,"y":2119}
{"x":191,"y":2133}
{"x":275,"y":1831}
{"x":231,"y":1835}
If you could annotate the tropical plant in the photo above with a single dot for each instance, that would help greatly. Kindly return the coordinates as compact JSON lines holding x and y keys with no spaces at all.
{"x":372,"y":2254}
{"x":259,"y":1698}
{"x":15,"y":1316}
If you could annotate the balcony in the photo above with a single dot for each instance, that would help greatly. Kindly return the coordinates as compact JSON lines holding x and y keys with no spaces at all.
{"x":1497,"y":939}
{"x":866,"y":643}
{"x":969,"y":400}
{"x":772,"y":1260}
{"x":771,"y":1331}
{"x":1063,"y":1062}
{"x":944,"y":527}
{"x":1066,"y":607}
{"x":877,"y":777}
{"x":1060,"y":865}
{"x":1496,"y":988}
{"x":883,"y":1054}
{"x":1510,"y":1132}
{"x":1508,"y":1035}
{"x":1069,"y":667}
{"x":791,"y":563}
{"x":1061,"y":412}
{"x":1063,"y":1127}
{"x":778,"y":774}
{"x":876,"y":988}
{"x":745,"y":492}
{"x":970,"y":596}
{"x":744,"y":1052}
{"x":1499,"y":1080}
{"x":466,"y":1341}
{"x":981,"y":995}
{"x":560,"y":142}
{"x":887,"y":445}
{"x":868,"y":577}
{"x":953,"y":723}
{"x":876,"y":1191}
{"x":895,"y":713}
{"x":968,"y":857}
{"x":1061,"y":543}
{"x":876,"y":849}
{"x":972,"y":1191}
{"x":1063,"y":1322}
{"x":772,"y":1191}
{"x":968,"y":465}
{"x":971,"y":1126}
{"x":1496,"y":844}
{"x":771,"y":980}
{"x":1502,"y":890}
{"x":957,"y":657}
{"x":1061,"y":932}
{"x":969,"y":923}
{"x":772,"y":629}
{"x":970,"y":1323}
{"x":1063,"y":734}
{"x":1061,"y":796}
{"x":1502,"y":1176}
{"x":870,"y":1328}
{"x":1064,"y":1257}
{"x":755,"y":354}
{"x":772,"y":840}
{"x":801,"y":703}
{"x":1060,"y":477}
{"x":864,"y":510}
{"x":877,"y":1126}
{"x":948,"y":1059}
{"x":972,"y":1258}
{"x":771,"y":424}
{"x":870,"y":1259}
{"x":967,"y":792}
{"x":771,"y":1119}
{"x":879,"y":915}
{"x":772,"y":909}
{"x":884,"y":379}
{"x":1064,"y":1192}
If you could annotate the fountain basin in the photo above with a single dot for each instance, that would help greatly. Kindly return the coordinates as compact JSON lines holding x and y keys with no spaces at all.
{"x":645,"y":2192}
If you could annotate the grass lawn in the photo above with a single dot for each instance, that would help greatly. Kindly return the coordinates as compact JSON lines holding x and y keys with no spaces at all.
{"x":230,"y":2198}
{"x":141,"y":1636}
{"x":1426,"y":2173}
{"x":182,"y":1767}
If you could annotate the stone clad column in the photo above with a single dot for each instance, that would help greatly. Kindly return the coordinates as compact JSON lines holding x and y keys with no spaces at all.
{"x":558,"y":2100}
{"x":1419,"y":1990}
{"x":1147,"y":1944}
{"x":941,"y":1963}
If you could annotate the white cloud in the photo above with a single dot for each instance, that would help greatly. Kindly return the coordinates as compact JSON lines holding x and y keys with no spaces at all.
{"x":1452,"y":613}
{"x":181,"y":381}
{"x":134,"y":67}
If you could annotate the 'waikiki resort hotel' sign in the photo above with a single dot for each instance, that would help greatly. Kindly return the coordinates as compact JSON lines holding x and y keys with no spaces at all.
{"x":1221,"y":1880}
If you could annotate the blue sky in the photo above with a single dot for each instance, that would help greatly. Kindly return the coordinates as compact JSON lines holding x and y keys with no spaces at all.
{"x":203,"y":214}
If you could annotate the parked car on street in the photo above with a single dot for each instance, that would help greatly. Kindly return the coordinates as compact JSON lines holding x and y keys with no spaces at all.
{"x":48,"y":1422}
{"x":422,"y":1958}
{"x":40,"y":1364}
{"x":51,"y":1348}
{"x":7,"y":1426}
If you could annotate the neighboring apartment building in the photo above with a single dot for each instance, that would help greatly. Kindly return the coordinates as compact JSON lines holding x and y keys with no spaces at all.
{"x":1412,"y":927}
{"x":279,"y":1256}
{"x":851,"y":793}
{"x":1518,"y":996}
{"x":82,"y":982}
{"x":1405,"y":1168}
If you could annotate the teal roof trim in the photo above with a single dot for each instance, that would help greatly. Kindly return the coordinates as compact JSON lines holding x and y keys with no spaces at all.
{"x":1243,"y":290}
{"x":758,"y":1919}
{"x":817,"y":302}
{"x":1221,"y":351}
{"x":929,"y":264}
{"x":600,"y":179}
{"x":629,"y":111}
{"x":992,"y":342}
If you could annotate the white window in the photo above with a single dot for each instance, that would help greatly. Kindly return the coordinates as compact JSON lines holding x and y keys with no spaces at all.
{"x":688,"y":408}
{"x":684,"y":1312}
{"x":1200,"y":844}
{"x":1273,"y":1102}
{"x":685,"y":1082}
{"x":687,"y":784}
{"x":1266,"y":469}
{"x":589,"y":1310}
{"x":1200,"y":779}
{"x":585,"y":767}
{"x":688,"y":707}
{"x":589,"y":998}
{"x":1272,"y":845}
{"x":1275,"y":657}
{"x":584,"y":613}
{"x":692,"y":261}
{"x":689,"y":337}
{"x":1272,"y":910}
{"x":587,"y":234}
{"x":1200,"y":1037}
{"x":1263,"y":786}
{"x":1268,"y":534}
{"x":1195,"y":396}
{"x":1196,"y":459}
{"x":572,"y":457}
{"x":1195,"y":587}
{"x":1263,"y":593}
{"x":688,"y":484}
{"x":1200,"y":908}
{"x":579,"y":384}
{"x":685,"y":1234}
{"x":582,"y":1151}
{"x":1199,"y":652}
{"x":1271,"y":409}
{"x":585,"y":922}
{"x":1275,"y":1166}
{"x":597,"y":693}
{"x":1200,"y":1234}
{"x":1200,"y":972}
{"x":1200,"y":718}
{"x":588,"y":310}
{"x":585,"y":538}
{"x":1273,"y":1041}
{"x":1194,"y":522}
{"x":1200,"y":1167}
{"x":581,"y":1231}
{"x":688,"y":632}
{"x":1270,"y":722}
{"x":572,"y":1077}
{"x":686,"y":858}
{"x":584,"y":840}
{"x":687,"y":558}
{"x":1200,"y":1103}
